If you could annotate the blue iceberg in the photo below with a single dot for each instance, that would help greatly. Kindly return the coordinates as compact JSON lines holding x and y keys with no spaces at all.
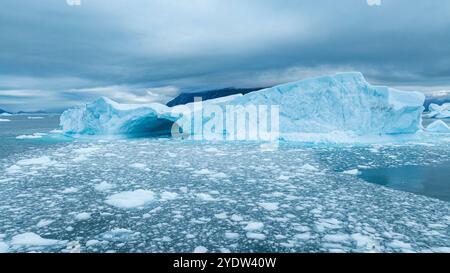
{"x":331,"y":105}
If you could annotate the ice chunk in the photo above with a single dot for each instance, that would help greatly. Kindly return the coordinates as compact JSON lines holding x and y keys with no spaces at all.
{"x":269,"y":206}
{"x":200,"y":249}
{"x":33,"y":136}
{"x":253,"y":226}
{"x":441,"y":112}
{"x":118,"y":234}
{"x":44,"y":161}
{"x":103,"y":186}
{"x":44,"y":223}
{"x":256,"y":236}
{"x":352,"y":172}
{"x":206,"y":197}
{"x":31,"y":239}
{"x":131,"y":199}
{"x":231,"y":235}
{"x":438,"y":127}
{"x":4,"y":120}
{"x":70,"y":190}
{"x":167,"y":196}
{"x":82,"y":216}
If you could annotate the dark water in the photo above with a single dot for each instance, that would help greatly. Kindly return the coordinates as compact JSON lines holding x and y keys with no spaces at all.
{"x":432,"y":181}
{"x":23,"y":125}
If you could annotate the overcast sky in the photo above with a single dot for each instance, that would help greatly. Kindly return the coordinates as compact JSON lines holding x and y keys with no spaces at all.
{"x":53,"y":55}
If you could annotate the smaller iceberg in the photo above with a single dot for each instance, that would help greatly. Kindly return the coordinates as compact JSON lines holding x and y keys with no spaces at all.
{"x":438,"y":127}
{"x":107,"y":117}
{"x":439,"y":111}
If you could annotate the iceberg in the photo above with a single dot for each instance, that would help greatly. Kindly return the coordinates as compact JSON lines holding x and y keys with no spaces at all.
{"x":340,"y":105}
{"x":107,"y":117}
{"x":439,"y":111}
{"x":438,"y":127}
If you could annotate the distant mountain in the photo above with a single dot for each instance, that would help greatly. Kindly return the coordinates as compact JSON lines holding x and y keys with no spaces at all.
{"x":439,"y":97}
{"x":3,"y":111}
{"x":211,"y":94}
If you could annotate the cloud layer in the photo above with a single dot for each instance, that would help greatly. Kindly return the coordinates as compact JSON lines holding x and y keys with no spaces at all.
{"x":53,"y":55}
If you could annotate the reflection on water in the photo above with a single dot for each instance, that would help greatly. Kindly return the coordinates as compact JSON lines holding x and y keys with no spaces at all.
{"x":432,"y":181}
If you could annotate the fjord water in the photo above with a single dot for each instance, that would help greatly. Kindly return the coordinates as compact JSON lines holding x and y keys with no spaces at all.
{"x":429,"y":180}
{"x":25,"y":125}
{"x":237,"y":197}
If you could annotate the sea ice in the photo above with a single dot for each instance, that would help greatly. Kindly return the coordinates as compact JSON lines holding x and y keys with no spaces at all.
{"x":253,"y":226}
{"x":256,"y":236}
{"x":166,"y":196}
{"x":206,"y":197}
{"x":131,"y":199}
{"x":44,"y":223}
{"x":4,"y":120}
{"x":82,"y":216}
{"x":118,"y":234}
{"x":352,"y":172}
{"x":269,"y":206}
{"x":44,"y":161}
{"x":200,"y":249}
{"x":33,"y":136}
{"x":104,"y":186}
{"x":31,"y":239}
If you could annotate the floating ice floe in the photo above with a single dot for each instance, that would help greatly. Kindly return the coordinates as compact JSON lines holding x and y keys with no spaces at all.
{"x":32,"y":239}
{"x":43,"y":161}
{"x":439,"y":111}
{"x":352,"y":172}
{"x":104,"y":186}
{"x":33,"y":136}
{"x":83,"y":216}
{"x":331,"y":108}
{"x":4,"y":120}
{"x":35,"y":117}
{"x":118,"y":234}
{"x":200,"y":249}
{"x":44,"y":223}
{"x":131,"y":199}
{"x":438,"y":127}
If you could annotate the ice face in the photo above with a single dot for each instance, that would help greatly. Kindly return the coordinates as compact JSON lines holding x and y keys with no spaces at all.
{"x":332,"y":105}
{"x":440,"y":112}
{"x":345,"y":102}
{"x":296,"y":198}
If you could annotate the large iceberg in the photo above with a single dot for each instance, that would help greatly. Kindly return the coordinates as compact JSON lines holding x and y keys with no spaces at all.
{"x":341,"y":104}
{"x":439,"y":111}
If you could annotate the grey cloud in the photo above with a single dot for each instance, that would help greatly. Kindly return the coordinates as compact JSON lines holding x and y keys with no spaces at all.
{"x":61,"y":50}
